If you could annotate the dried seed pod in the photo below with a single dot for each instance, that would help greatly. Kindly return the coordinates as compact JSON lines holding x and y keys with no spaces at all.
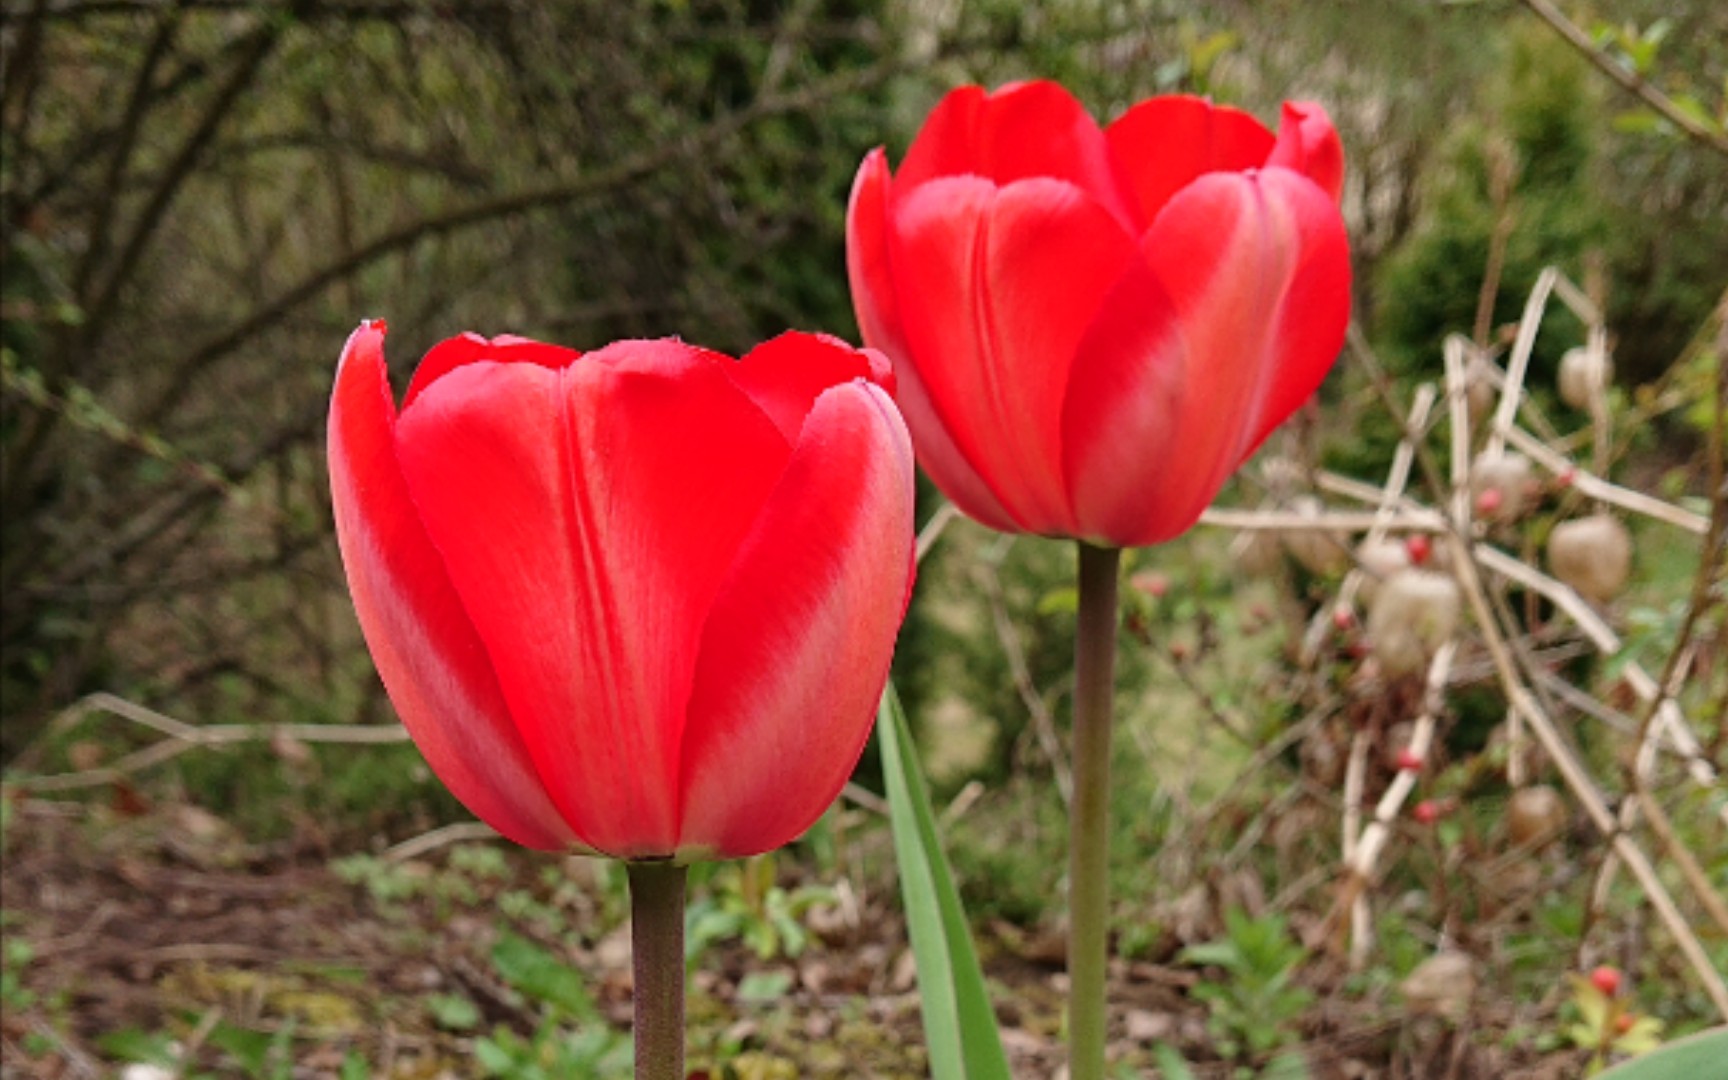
{"x":1379,"y":560}
{"x":1414,"y":611}
{"x":1479,"y":391}
{"x":1593,"y":555}
{"x":1507,"y":474}
{"x":1322,"y":552}
{"x":1535,"y":815}
{"x":1444,"y":983}
{"x":1256,"y":553}
{"x":1584,"y":373}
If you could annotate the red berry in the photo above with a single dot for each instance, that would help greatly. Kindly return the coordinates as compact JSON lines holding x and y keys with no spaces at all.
{"x":1566,"y":479}
{"x":1623,"y":1023}
{"x":1418,"y":547}
{"x":1606,"y":979}
{"x":1427,"y":812}
{"x":1489,"y":501}
{"x":1409,"y":760}
{"x":1343,"y":618}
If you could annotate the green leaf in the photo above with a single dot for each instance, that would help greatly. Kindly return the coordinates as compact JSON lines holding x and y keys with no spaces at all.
{"x":144,"y":1047}
{"x":453,"y":1012}
{"x":536,"y":974}
{"x":1692,"y":1058}
{"x":959,"y":1024}
{"x":1171,"y":1063}
{"x":764,"y":987}
{"x":1285,"y":1067}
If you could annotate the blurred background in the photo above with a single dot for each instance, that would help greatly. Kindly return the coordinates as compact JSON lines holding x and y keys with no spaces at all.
{"x":202,"y":198}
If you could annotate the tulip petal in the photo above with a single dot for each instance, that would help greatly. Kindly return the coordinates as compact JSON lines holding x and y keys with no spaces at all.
{"x":797,"y":647}
{"x":1172,"y":392}
{"x":996,"y":288}
{"x":1308,"y":144}
{"x":867,"y":267}
{"x":468,"y":348}
{"x":785,"y":376}
{"x":588,"y":516}
{"x":1023,"y":130}
{"x":1163,"y":144}
{"x":426,"y":649}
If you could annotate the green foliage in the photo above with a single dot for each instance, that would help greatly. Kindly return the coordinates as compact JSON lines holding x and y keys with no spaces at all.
{"x":959,"y":1023}
{"x":744,"y":902}
{"x":572,"y":1039}
{"x":1531,"y":165}
{"x":1606,"y":1025}
{"x":16,"y":954}
{"x":1255,"y":1007}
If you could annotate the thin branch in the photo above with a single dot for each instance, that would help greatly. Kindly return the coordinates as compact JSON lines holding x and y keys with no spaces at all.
{"x":1628,"y":80}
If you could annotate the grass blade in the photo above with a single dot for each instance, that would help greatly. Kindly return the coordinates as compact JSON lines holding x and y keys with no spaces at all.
{"x":959,"y":1024}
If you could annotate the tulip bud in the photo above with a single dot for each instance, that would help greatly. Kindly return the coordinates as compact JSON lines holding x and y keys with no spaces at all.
{"x":1584,"y":373}
{"x":1593,"y":555}
{"x":1413,"y":613}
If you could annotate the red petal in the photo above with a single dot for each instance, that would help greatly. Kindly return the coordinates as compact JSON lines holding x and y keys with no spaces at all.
{"x":469,"y":347}
{"x":588,"y":516}
{"x":1164,"y":144}
{"x":1023,"y":130}
{"x":1233,"y":322}
{"x":426,"y":649}
{"x":785,"y":376}
{"x":796,"y":650}
{"x":996,"y":288}
{"x":1308,"y":144}
{"x":867,"y":267}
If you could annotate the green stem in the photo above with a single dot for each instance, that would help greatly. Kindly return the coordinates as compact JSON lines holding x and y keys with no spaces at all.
{"x":657,"y":942}
{"x":1089,"y":816}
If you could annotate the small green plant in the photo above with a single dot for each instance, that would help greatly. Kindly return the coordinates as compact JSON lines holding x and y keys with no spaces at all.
{"x":15,"y":955}
{"x":746,"y":904}
{"x":1254,"y":1007}
{"x":1606,"y":1024}
{"x":572,"y":1039}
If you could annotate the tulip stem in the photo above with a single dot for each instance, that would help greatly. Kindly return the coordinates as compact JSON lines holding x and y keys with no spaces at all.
{"x":657,"y":944}
{"x":1089,"y":816}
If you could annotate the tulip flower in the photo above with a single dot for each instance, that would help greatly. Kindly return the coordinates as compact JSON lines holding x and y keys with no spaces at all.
{"x":1093,"y":328}
{"x":639,"y":601}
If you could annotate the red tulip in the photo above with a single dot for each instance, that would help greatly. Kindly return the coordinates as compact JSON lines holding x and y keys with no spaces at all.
{"x":1092,"y":329}
{"x":640,"y":601}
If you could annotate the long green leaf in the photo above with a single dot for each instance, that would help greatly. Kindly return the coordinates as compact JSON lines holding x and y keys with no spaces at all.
{"x":959,"y":1024}
{"x":1693,"y":1058}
